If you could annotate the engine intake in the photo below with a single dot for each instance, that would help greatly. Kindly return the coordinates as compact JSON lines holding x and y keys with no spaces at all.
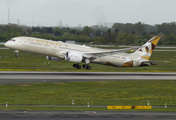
{"x":73,"y":56}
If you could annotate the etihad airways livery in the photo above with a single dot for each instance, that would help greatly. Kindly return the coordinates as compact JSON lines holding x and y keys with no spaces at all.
{"x":57,"y":51}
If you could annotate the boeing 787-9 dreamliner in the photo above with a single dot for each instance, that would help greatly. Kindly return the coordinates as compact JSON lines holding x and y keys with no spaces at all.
{"x":58,"y":51}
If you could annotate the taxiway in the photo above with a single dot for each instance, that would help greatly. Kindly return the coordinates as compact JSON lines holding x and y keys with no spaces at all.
{"x":20,"y":77}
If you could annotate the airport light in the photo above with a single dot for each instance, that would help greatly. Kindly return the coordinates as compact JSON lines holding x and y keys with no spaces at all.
{"x":148,"y":103}
{"x":72,"y":102}
{"x":165,"y":105}
{"x":6,"y":104}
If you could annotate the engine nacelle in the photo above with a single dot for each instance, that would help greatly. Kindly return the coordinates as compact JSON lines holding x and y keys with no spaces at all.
{"x":54,"y":58}
{"x":73,"y":56}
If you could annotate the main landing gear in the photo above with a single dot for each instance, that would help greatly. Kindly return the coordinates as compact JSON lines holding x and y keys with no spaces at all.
{"x":77,"y":66}
{"x":84,"y":66}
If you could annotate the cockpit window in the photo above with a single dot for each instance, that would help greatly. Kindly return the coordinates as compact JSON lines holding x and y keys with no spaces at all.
{"x":12,"y":40}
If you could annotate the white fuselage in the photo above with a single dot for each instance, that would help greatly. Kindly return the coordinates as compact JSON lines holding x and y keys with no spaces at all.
{"x":58,"y":49}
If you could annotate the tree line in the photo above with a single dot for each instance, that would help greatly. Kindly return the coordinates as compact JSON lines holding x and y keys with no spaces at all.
{"x":118,"y":34}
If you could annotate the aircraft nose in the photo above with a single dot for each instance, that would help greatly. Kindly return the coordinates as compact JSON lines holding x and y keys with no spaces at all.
{"x":9,"y":44}
{"x":6,"y":44}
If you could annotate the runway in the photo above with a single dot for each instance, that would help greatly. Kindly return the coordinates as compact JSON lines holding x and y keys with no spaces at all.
{"x":20,"y":77}
{"x":84,"y":115}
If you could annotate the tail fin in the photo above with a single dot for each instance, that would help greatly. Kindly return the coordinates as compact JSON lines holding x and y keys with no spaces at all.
{"x":145,"y":51}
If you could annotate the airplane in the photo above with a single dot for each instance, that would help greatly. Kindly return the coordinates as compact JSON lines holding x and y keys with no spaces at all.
{"x":58,"y":51}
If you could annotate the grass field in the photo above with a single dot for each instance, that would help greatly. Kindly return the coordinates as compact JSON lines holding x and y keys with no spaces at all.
{"x":33,"y":62}
{"x":95,"y":93}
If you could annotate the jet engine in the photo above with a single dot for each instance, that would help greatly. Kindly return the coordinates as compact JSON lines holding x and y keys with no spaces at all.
{"x":73,"y":56}
{"x":54,"y":58}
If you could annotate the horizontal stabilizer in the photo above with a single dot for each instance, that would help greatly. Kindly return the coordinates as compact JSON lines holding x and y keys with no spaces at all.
{"x":153,"y":62}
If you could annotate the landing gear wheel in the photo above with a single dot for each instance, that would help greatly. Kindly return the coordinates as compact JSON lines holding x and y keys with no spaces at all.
{"x":16,"y":55}
{"x":78,"y":66}
{"x":88,"y":67}
{"x":84,"y":66}
{"x":75,"y":65}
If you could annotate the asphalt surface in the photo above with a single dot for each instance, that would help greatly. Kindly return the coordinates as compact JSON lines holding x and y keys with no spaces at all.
{"x":84,"y":115}
{"x":20,"y":77}
{"x":3,"y":48}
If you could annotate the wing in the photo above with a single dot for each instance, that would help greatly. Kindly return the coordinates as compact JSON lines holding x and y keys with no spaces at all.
{"x":95,"y":55}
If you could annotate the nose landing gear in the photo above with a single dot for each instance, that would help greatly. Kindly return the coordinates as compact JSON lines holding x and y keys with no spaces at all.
{"x":16,"y":55}
{"x":16,"y":51}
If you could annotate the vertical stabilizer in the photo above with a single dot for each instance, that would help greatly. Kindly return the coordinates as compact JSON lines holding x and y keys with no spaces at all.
{"x":145,"y":51}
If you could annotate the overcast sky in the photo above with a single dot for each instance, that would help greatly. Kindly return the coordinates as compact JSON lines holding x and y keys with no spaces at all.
{"x":87,"y":12}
